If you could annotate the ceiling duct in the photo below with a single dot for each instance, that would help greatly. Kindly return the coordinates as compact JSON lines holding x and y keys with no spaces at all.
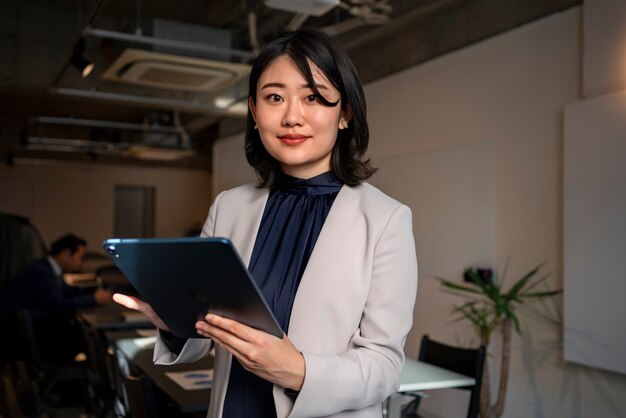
{"x":187,"y":33}
{"x":174,"y":72}
{"x":171,"y":65}
{"x":307,"y":7}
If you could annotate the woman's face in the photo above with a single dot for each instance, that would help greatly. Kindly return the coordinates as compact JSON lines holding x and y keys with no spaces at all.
{"x":295,"y":128}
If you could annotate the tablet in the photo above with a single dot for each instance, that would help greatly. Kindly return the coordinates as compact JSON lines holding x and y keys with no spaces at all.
{"x":183,"y":279}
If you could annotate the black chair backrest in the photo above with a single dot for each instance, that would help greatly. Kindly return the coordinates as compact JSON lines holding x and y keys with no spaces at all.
{"x":9,"y":404}
{"x":467,"y":361}
{"x":141,"y":403}
{"x":135,"y":397}
{"x":18,"y":392}
{"x":28,"y":344}
{"x":20,"y":244}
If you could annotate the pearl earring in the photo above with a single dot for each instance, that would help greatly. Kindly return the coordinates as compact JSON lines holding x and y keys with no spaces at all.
{"x":343,"y":124}
{"x":255,"y":127}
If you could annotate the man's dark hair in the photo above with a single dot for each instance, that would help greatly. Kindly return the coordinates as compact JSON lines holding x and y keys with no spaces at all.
{"x":67,"y":241}
{"x":347,"y":161}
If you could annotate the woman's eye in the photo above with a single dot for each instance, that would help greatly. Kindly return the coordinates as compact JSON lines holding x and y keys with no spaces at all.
{"x":311,"y":98}
{"x":274,"y":98}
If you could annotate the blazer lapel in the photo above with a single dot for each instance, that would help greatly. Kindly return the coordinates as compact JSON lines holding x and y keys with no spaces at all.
{"x":334,"y":237}
{"x":340,"y":217}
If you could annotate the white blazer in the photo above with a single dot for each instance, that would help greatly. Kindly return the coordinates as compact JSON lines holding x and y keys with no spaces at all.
{"x":352,"y":311}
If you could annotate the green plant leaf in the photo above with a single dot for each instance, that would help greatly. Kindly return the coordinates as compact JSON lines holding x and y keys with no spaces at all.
{"x":478,"y":316}
{"x":515,"y":324}
{"x":459,"y":287}
{"x":542,"y":294}
{"x":490,"y":289}
{"x":504,"y":271}
{"x":519,"y":285}
{"x":536,"y":283}
{"x":487,"y":306}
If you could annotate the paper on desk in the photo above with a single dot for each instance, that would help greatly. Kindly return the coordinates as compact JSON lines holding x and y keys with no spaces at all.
{"x":131,"y":346}
{"x":192,"y":379}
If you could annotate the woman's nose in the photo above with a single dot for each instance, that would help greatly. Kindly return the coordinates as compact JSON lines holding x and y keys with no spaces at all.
{"x":293,"y":114}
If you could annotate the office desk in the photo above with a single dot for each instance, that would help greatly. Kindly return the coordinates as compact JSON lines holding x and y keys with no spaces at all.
{"x":415,"y":376}
{"x":139,"y":352}
{"x":112,"y":316}
{"x":419,"y":376}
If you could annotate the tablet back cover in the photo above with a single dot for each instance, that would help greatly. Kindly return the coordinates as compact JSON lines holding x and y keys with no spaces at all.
{"x":183,"y":279}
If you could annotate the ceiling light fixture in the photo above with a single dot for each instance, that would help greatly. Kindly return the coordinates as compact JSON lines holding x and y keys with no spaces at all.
{"x":84,"y":66}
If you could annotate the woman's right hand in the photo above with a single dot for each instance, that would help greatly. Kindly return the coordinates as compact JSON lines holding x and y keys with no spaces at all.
{"x":133,"y":303}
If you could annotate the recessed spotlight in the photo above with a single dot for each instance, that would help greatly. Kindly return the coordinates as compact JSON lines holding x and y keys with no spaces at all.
{"x":83,"y":65}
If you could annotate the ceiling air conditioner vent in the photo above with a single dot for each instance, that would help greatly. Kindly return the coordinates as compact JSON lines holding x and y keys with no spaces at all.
{"x":174,"y":72}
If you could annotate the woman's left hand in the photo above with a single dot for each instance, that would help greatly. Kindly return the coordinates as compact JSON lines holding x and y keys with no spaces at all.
{"x":271,"y":358}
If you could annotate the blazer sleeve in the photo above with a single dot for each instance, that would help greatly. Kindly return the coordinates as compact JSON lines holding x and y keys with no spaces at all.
{"x":369,"y":370}
{"x":195,"y":348}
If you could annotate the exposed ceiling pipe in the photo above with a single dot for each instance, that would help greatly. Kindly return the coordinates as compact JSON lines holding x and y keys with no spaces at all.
{"x":105,"y":124}
{"x":74,"y":146}
{"x":43,"y":143}
{"x":408,"y":19}
{"x":252,"y":31}
{"x":252,"y":26}
{"x":297,"y":20}
{"x":184,"y":136}
{"x":151,"y":102}
{"x":342,"y":27}
{"x":184,"y":45}
{"x":138,"y":29}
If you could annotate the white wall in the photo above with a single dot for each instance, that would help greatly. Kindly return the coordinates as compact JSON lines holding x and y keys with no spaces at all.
{"x":604,"y":47}
{"x":80,"y":198}
{"x":230,"y":167}
{"x":508,"y":91}
{"x":511,"y":90}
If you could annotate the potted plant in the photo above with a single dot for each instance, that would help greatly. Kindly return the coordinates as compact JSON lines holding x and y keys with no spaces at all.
{"x":489,"y":308}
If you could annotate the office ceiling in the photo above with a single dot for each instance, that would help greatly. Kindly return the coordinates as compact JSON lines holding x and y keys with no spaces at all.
{"x":170,"y":77}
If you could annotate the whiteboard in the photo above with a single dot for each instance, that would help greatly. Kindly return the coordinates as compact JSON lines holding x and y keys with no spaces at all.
{"x":594,"y":233}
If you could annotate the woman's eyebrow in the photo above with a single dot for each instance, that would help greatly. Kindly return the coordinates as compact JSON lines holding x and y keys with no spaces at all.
{"x":268,"y":85}
{"x":318,"y":86}
{"x":303,"y":86}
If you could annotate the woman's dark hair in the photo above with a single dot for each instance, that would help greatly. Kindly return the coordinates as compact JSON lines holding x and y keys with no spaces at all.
{"x":67,"y":241}
{"x":347,"y":161}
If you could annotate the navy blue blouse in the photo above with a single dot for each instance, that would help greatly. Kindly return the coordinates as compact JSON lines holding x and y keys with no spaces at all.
{"x":292,"y":220}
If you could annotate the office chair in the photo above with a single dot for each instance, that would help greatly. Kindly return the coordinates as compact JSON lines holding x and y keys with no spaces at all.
{"x":134,"y":392}
{"x":20,"y":244}
{"x":100,"y":369}
{"x":469,"y":362}
{"x":139,"y":396}
{"x":9,"y":404}
{"x":47,"y":375}
{"x":18,"y":394}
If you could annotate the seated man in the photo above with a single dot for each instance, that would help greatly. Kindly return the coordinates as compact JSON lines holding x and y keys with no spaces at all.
{"x":40,"y":289}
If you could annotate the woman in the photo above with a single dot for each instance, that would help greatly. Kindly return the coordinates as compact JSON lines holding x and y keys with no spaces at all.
{"x":333,"y":256}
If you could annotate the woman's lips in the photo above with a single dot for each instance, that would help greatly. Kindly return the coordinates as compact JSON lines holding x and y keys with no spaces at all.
{"x":293,"y":139}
